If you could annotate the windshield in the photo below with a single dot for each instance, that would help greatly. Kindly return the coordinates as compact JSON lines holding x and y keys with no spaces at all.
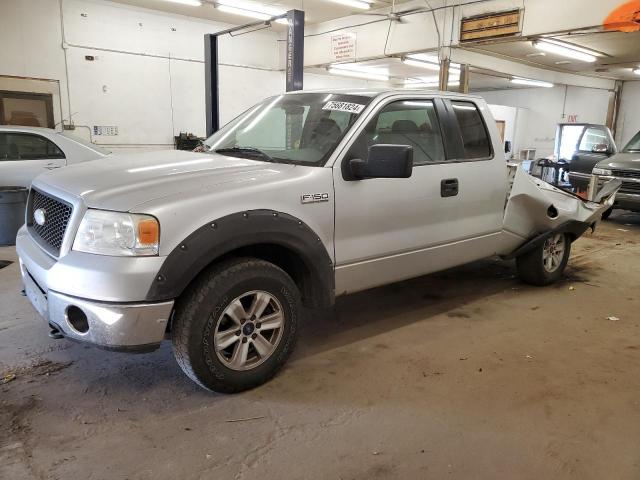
{"x":83,"y":142}
{"x":302,"y":129}
{"x":634,"y":144}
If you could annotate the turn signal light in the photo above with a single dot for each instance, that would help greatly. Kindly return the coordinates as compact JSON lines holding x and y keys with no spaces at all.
{"x":148,"y":232}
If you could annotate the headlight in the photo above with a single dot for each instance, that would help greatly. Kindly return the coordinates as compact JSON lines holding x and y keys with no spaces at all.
{"x":119,"y":234}
{"x":602,"y":171}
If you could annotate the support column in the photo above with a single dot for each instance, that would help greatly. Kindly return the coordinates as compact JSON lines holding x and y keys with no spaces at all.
{"x":444,"y":74}
{"x":212,"y":102}
{"x":295,"y":50}
{"x":614,"y":107}
{"x":464,"y":78}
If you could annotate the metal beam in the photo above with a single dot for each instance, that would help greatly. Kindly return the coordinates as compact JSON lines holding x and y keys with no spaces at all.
{"x":295,"y":50}
{"x":613,"y":109}
{"x":211,"y":98}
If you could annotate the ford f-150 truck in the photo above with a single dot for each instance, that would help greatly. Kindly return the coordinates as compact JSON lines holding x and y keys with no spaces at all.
{"x":304,"y":197}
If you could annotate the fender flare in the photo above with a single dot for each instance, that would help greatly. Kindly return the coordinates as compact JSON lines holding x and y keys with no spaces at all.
{"x":244,"y":229}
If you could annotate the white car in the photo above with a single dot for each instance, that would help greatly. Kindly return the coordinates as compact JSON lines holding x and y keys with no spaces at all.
{"x":25,"y":152}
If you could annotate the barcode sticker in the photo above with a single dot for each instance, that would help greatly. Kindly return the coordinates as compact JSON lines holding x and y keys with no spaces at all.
{"x":343,"y":107}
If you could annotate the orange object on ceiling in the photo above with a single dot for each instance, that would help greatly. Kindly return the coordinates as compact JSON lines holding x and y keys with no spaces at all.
{"x":625,"y":18}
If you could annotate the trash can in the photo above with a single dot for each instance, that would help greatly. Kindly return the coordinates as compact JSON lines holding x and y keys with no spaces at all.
{"x":13,"y":201}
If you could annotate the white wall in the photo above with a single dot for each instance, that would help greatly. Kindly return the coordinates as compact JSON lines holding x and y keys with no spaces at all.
{"x":629,"y":115}
{"x":543,"y":108}
{"x":148,"y":74}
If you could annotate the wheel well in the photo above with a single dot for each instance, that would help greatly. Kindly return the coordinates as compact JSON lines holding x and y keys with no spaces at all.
{"x":311,"y":288}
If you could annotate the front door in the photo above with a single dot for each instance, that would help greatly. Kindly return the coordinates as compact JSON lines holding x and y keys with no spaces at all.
{"x":23,"y":156}
{"x":448,"y":212}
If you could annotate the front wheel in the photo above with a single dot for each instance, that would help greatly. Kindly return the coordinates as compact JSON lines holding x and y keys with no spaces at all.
{"x":236,"y":326}
{"x":545,"y":264}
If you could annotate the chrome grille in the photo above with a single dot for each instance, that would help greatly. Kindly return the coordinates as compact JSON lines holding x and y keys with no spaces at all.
{"x":626,"y":173}
{"x":630,"y":187}
{"x":57,"y":214}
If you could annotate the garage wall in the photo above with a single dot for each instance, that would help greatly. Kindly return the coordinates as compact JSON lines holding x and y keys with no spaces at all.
{"x":147,"y":72}
{"x":629,"y":116}
{"x":541,"y":109}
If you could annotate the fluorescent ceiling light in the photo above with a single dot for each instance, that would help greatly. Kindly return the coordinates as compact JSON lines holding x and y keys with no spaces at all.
{"x":363,"y":5}
{"x":380,"y":76}
{"x":250,"y":9}
{"x":192,"y":3}
{"x":531,"y":83}
{"x":412,"y":62}
{"x":564,"y":50}
{"x":358,"y":67}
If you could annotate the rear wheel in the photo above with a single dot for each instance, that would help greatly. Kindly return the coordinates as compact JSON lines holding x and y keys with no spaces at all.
{"x":236,"y":325}
{"x":545,"y":264}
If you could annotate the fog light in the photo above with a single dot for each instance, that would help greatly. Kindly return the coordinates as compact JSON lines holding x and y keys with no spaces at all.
{"x":77,"y":319}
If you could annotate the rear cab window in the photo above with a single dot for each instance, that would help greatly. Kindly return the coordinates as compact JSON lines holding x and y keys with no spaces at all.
{"x":475,"y":138}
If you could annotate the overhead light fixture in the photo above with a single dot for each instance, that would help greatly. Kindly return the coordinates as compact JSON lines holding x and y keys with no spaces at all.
{"x":636,"y":71}
{"x":251,"y":10}
{"x":192,"y":3}
{"x":429,"y":62}
{"x":566,"y":50}
{"x":530,"y":83}
{"x":360,"y":71}
{"x":354,"y":3}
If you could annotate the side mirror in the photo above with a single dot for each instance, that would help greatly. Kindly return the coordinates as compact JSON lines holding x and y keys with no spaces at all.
{"x":384,"y":161}
{"x":507,"y":146}
{"x":600,"y":148}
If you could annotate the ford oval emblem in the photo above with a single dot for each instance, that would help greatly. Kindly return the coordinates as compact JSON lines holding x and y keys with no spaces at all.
{"x":40,"y":216}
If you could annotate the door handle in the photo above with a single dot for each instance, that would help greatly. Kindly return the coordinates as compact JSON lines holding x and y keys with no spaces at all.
{"x":51,"y":166}
{"x":449,"y":187}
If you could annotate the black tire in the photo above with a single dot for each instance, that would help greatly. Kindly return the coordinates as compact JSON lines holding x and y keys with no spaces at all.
{"x":607,"y":213}
{"x":531,"y":268}
{"x":203,"y":305}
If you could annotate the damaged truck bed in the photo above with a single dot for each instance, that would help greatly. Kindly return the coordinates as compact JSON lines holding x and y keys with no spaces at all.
{"x":536,"y":210}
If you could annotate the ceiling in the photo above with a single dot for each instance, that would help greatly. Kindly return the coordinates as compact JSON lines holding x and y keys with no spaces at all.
{"x":619,"y":54}
{"x":479,"y":80}
{"x":315,"y":10}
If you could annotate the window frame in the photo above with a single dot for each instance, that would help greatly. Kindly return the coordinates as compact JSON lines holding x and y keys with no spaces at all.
{"x":447,"y":123}
{"x":456,"y":131}
{"x":37,"y":135}
{"x":47,"y":98}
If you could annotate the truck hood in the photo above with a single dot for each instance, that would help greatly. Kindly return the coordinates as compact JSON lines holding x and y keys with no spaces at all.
{"x":121,"y":182}
{"x":622,"y":161}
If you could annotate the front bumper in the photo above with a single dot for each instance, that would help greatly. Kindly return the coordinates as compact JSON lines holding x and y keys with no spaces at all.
{"x":113,"y":320}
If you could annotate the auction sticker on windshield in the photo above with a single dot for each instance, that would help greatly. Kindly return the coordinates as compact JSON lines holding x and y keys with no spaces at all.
{"x":343,"y":106}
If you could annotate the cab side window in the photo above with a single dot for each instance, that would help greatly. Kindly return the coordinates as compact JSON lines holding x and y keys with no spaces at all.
{"x":474,"y":134}
{"x":25,"y":146}
{"x":405,"y":122}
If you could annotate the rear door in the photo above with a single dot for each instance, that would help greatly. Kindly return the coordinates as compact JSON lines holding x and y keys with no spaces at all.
{"x":23,"y":156}
{"x":447,"y":213}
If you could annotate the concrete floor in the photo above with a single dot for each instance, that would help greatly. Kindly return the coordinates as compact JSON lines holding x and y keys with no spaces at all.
{"x":462,"y":374}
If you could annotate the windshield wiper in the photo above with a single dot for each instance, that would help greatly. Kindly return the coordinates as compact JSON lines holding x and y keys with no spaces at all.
{"x":252,"y":151}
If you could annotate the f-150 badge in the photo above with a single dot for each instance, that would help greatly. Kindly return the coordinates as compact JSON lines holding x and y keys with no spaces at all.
{"x":314,"y":197}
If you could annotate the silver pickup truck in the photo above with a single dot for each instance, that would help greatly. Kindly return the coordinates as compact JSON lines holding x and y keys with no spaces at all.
{"x":304,"y":197}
